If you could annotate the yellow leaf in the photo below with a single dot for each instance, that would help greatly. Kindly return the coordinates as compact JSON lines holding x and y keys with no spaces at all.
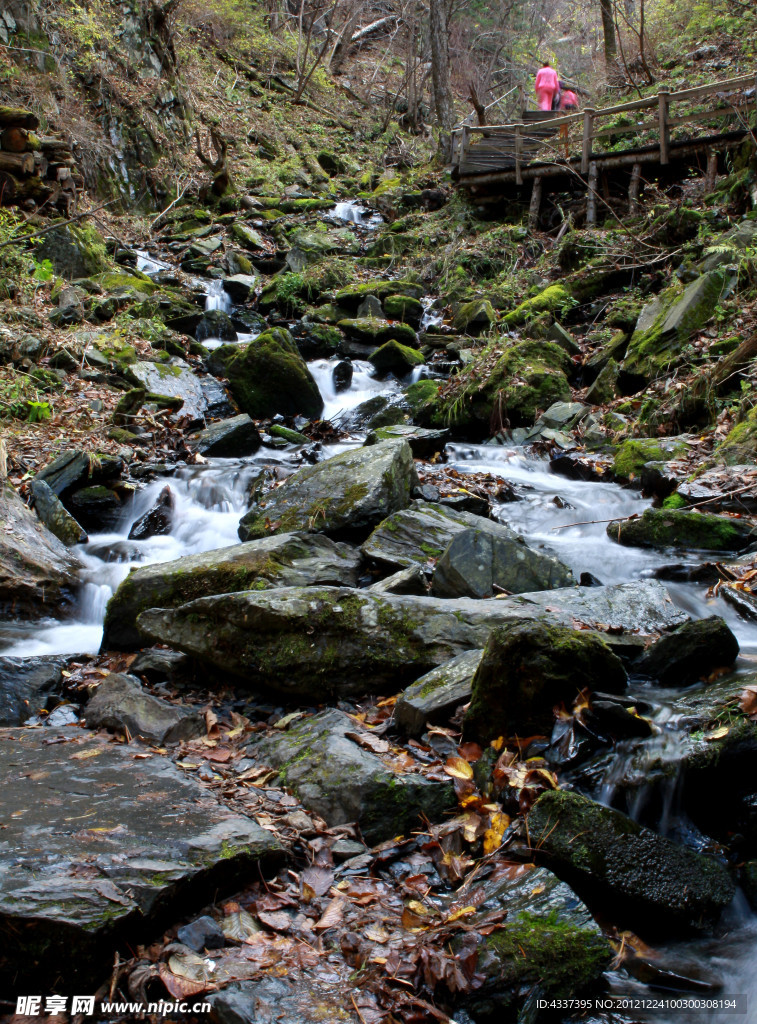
{"x":493,"y":835}
{"x":418,"y":908}
{"x":499,"y":743}
{"x":458,"y":768}
{"x":717,"y":734}
{"x":457,"y":914}
{"x":82,"y":755}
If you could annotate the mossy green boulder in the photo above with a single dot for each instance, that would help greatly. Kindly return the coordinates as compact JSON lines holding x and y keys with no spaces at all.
{"x":269,"y":376}
{"x":74,"y":250}
{"x":635,"y":877}
{"x":700,"y":531}
{"x":739,"y":447}
{"x":395,"y":358}
{"x":636,"y":452}
{"x":529,"y":667}
{"x":474,"y":317}
{"x":404,"y":308}
{"x":372,"y":331}
{"x":666,"y":323}
{"x":351,"y":297}
{"x":550,"y":300}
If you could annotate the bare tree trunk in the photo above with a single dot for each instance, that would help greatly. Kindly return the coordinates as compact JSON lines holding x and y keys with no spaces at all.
{"x":443,"y":100}
{"x":608,"y":27}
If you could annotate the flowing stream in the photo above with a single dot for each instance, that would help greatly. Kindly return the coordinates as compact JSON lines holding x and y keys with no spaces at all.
{"x":210,"y":499}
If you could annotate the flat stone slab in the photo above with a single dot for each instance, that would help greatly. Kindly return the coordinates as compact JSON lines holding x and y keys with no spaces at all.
{"x":98,"y":848}
{"x":436,"y":695}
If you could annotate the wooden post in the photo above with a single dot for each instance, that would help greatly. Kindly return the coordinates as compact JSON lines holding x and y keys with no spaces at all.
{"x":535,"y":206}
{"x":464,"y":143}
{"x":633,"y":190}
{"x":586,"y":150}
{"x":518,"y":152}
{"x":712,"y":169}
{"x":591,"y":196}
{"x":662,"y":117}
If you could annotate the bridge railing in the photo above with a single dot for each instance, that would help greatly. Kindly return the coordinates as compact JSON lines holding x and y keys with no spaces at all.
{"x":516,"y":143}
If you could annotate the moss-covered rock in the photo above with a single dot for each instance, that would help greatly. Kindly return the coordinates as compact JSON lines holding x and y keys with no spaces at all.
{"x":739,"y":446}
{"x":421,"y":397}
{"x":666,"y":323}
{"x":248,"y":237}
{"x":474,"y":317}
{"x":269,"y":376}
{"x":395,"y":358}
{"x":637,"y":878}
{"x":702,"y":531}
{"x":530,"y":667}
{"x":74,"y":251}
{"x":371,"y":331}
{"x":350,"y":298}
{"x":690,"y":652}
{"x":550,"y":300}
{"x":636,"y":452}
{"x":404,"y":308}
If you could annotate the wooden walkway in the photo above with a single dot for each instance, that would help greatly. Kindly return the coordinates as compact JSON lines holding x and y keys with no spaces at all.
{"x":545,"y":145}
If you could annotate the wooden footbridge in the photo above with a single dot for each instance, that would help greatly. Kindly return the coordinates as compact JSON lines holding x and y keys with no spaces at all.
{"x":691,"y":128}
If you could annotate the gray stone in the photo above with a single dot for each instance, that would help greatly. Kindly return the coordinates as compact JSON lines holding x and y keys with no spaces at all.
{"x":564,"y":339}
{"x":103,"y":858}
{"x":550,"y":944}
{"x":474,"y":317}
{"x":412,"y":580}
{"x":435,"y":696}
{"x":66,"y":470}
{"x":38,"y":573}
{"x":423,"y":441}
{"x":240,"y":287}
{"x":326,"y":640}
{"x":342,"y":781}
{"x":690,"y":653}
{"x":201,"y":934}
{"x":248,"y":237}
{"x":54,"y":515}
{"x":121,"y":705}
{"x":605,"y":387}
{"x":216,"y":324}
{"x":370,"y":306}
{"x":231,"y":439}
{"x":158,"y":520}
{"x":421,"y":532}
{"x":351,"y":492}
{"x":281,"y":560}
{"x":174,"y":380}
{"x":481,"y":563}
{"x":635,"y":876}
{"x":272,"y":1000}
{"x":25,"y":685}
{"x":563,"y":415}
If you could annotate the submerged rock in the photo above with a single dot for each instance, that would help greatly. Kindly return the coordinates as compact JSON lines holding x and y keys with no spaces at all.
{"x":327,"y":640}
{"x":38,"y":573}
{"x":333,"y":775}
{"x":351,"y":492}
{"x":690,"y":653}
{"x":121,"y":705}
{"x":103,"y":862}
{"x":662,"y":528}
{"x":434,"y":697}
{"x":530,"y":667}
{"x":550,"y":944}
{"x":283,"y":560}
{"x":158,"y":520}
{"x":634,"y":875}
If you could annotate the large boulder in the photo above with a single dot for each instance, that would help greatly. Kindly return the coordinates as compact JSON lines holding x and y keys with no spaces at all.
{"x":690,"y":653}
{"x":480,"y":563}
{"x":25,"y":686}
{"x":668,"y":321}
{"x":373,"y":331}
{"x":120,"y":704}
{"x":395,"y":358}
{"x":103,"y":862}
{"x":530,"y":667}
{"x":662,"y":528}
{"x":322,"y":761}
{"x":423,"y":443}
{"x":173,"y":379}
{"x":75,"y":251}
{"x":326,"y":640}
{"x":550,"y":944}
{"x":427,"y":531}
{"x":283,"y":560}
{"x":38,"y":573}
{"x":269,"y":376}
{"x":349,"y":493}
{"x":636,"y":877}
{"x":435,"y":696}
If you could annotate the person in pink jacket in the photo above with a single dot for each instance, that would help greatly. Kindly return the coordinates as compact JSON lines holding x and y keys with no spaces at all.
{"x":568,"y":99}
{"x":547,"y":85}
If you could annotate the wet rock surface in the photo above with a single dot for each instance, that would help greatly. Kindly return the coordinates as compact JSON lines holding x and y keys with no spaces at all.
{"x":690,"y":653}
{"x":434,"y":696}
{"x":228,"y":439}
{"x":321,"y":760}
{"x":661,"y":528}
{"x":124,"y":864}
{"x":322,"y":641}
{"x":283,"y":560}
{"x":618,"y":864}
{"x":26,"y":684}
{"x":120,"y":704}
{"x":351,"y":492}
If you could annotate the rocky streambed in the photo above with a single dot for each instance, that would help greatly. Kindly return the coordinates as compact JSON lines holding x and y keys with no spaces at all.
{"x":310,"y":646}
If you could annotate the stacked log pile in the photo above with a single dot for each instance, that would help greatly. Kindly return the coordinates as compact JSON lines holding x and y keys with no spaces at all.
{"x":35,"y":170}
